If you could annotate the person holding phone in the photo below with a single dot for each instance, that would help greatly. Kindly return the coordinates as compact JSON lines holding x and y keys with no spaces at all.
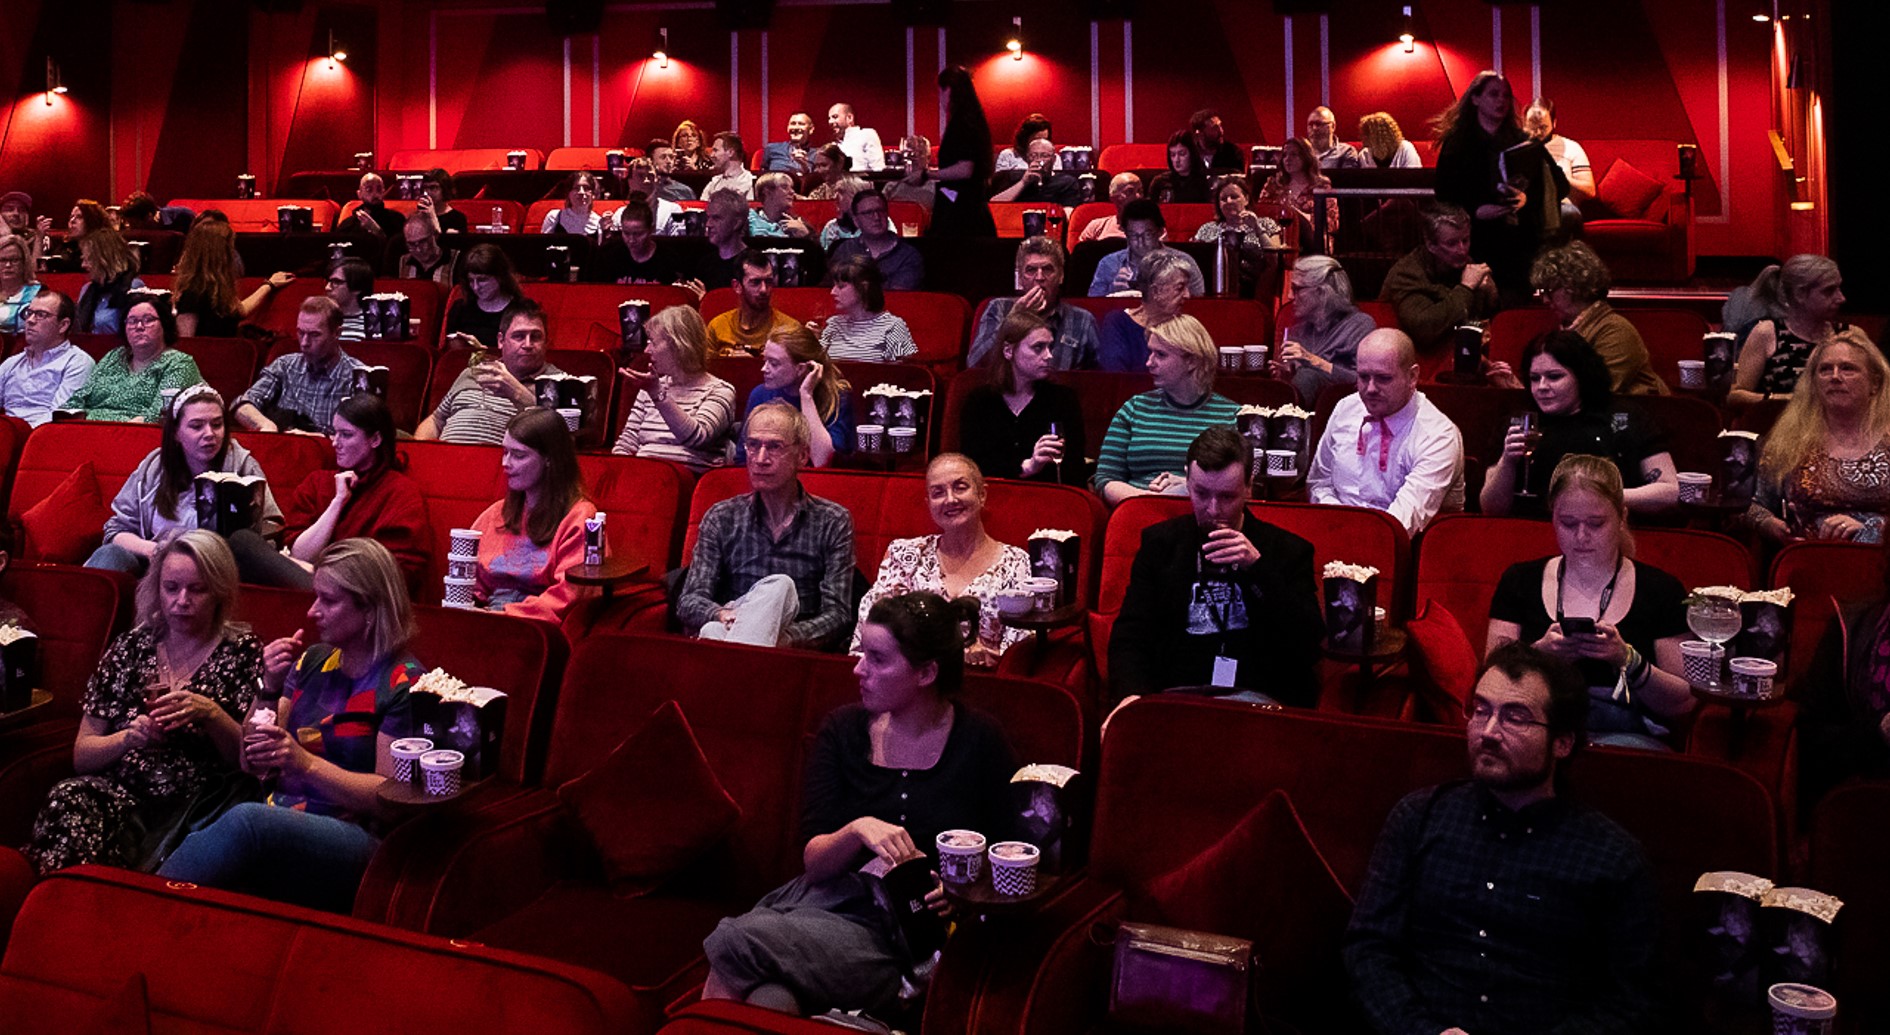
{"x":1618,"y":620}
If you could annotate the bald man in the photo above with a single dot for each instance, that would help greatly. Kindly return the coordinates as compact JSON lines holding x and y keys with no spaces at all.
{"x":1387,"y":447}
{"x":1123,"y":188}
{"x":373,"y":216}
{"x":1321,"y":133}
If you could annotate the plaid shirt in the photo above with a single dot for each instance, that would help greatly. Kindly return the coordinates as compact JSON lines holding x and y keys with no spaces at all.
{"x":289,"y":385}
{"x":1493,"y":921}
{"x":734,"y":551}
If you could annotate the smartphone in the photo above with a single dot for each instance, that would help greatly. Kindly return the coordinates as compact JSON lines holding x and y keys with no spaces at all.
{"x":1578,"y":627}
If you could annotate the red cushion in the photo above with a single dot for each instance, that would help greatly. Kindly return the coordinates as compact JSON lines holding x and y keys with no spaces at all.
{"x":1627,"y":191}
{"x":653,"y":805}
{"x":65,"y":527}
{"x":1446,"y":653}
{"x":126,"y":1013}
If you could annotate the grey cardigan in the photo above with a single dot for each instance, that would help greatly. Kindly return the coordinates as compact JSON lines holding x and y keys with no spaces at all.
{"x":136,"y":504}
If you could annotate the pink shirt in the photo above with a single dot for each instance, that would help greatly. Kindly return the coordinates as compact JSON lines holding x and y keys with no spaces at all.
{"x":522,"y":578}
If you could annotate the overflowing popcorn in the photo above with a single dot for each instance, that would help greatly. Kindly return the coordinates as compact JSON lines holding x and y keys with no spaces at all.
{"x":1250,"y":410}
{"x":1753,"y":435}
{"x":1781,"y":596}
{"x":452,"y":690}
{"x":1056,"y":775}
{"x":1289,"y":410}
{"x":1732,"y":593}
{"x":1061,"y":535}
{"x":1359,"y":573}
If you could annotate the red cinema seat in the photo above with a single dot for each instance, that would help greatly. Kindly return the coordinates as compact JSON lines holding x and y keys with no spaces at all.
{"x":227,"y":364}
{"x":278,"y":312}
{"x":96,"y":345}
{"x":584,"y":316}
{"x":1184,"y":219}
{"x":1089,"y":212}
{"x":13,"y":433}
{"x":1009,"y":217}
{"x":258,"y":215}
{"x":54,"y":451}
{"x":1129,"y":157}
{"x":408,"y":367}
{"x":287,"y":459}
{"x":1670,"y":335}
{"x":459,"y":160}
{"x":564,"y":159}
{"x":1823,"y":577}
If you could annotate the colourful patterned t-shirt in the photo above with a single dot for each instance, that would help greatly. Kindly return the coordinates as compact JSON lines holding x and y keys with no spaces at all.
{"x":350,"y":713}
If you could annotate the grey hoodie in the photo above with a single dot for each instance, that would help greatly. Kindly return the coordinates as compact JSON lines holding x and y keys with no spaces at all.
{"x":134,"y":509}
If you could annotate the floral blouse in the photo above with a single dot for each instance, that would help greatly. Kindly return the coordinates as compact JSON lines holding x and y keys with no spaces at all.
{"x":181,"y":763}
{"x":911,"y":566}
{"x":1822,"y":486}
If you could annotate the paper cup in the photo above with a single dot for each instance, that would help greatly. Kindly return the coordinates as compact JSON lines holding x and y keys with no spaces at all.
{"x":1801,"y":1009}
{"x":1042,"y":591}
{"x":440,"y":773}
{"x":462,"y":568}
{"x":465,"y":542}
{"x":1752,"y":677}
{"x":1014,"y":867}
{"x":960,"y":856}
{"x":872,"y":437}
{"x":1693,"y":373}
{"x":1694,"y":486}
{"x":904,"y":440}
{"x":1232,"y":356}
{"x":1255,"y":356}
{"x":406,"y":753}
{"x":1700,"y":662}
{"x":571,"y":417}
{"x":459,"y":592}
{"x":1282,"y":463}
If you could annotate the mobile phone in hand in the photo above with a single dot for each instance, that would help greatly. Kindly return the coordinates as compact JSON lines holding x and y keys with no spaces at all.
{"x":1578,"y":627}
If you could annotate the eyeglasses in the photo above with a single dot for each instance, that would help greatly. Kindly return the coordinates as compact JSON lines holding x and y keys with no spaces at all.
{"x":142,"y":321}
{"x":1512,"y":719}
{"x":12,"y":260}
{"x":36,"y":315}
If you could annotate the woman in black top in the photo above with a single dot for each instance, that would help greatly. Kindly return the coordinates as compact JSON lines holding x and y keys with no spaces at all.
{"x":1569,"y":384}
{"x":886,"y":776}
{"x":207,"y":302}
{"x":1506,"y":225}
{"x":490,"y":288}
{"x":1631,"y":659}
{"x":964,"y":162}
{"x":1019,"y":423}
{"x":1184,"y":182}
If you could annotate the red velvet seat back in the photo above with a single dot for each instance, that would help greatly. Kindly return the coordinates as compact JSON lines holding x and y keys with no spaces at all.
{"x":1086,"y":213}
{"x":459,"y":160}
{"x":1670,"y":335}
{"x":584,"y":316}
{"x":253,"y":215}
{"x":13,"y":434}
{"x":1824,"y":576}
{"x":278,"y":312}
{"x":96,"y":345}
{"x":1009,"y":217}
{"x":1691,"y":425}
{"x":598,"y":158}
{"x":54,"y":451}
{"x":1850,"y":853}
{"x":76,"y":611}
{"x":227,"y":364}
{"x":645,"y":503}
{"x":286,"y":459}
{"x":219,"y":962}
{"x":1126,"y":157}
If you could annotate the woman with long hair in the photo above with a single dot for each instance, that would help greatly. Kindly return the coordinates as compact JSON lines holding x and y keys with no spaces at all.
{"x":1506,"y":225}
{"x":86,"y":217}
{"x":161,"y":717}
{"x":886,"y":777}
{"x":860,"y":327}
{"x":205,"y":288}
{"x":796,"y":369}
{"x":529,"y":539}
{"x":130,"y":382}
{"x":158,"y":500}
{"x":692,"y":147}
{"x":1620,"y":621}
{"x":1019,"y":423}
{"x":19,"y":284}
{"x":1186,"y":180}
{"x":577,"y":217}
{"x":490,"y":288}
{"x":1320,"y":347}
{"x":1145,"y":451}
{"x":964,"y":162}
{"x":1824,"y":470}
{"x":111,"y":272}
{"x":683,"y":412}
{"x":1290,"y":191}
{"x":1806,"y":296}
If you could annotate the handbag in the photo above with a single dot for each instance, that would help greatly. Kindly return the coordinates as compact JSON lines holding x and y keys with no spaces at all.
{"x":1180,"y":982}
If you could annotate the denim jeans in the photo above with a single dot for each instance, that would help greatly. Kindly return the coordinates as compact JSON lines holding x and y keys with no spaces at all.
{"x":116,"y":558}
{"x":280,"y":854}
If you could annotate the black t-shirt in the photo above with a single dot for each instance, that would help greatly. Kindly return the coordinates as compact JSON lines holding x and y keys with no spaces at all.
{"x":613,"y":264}
{"x":466,"y":317}
{"x":452,"y":222}
{"x":210,"y":324}
{"x":1623,"y":436}
{"x":715,"y":271}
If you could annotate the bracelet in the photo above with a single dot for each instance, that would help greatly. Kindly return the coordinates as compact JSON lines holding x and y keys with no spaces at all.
{"x":1637,"y":668}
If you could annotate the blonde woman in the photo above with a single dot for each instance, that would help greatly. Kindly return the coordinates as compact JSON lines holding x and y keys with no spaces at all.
{"x":1807,"y":294}
{"x":1824,"y":471}
{"x":1145,"y":450}
{"x":796,"y":369}
{"x":684,"y":413}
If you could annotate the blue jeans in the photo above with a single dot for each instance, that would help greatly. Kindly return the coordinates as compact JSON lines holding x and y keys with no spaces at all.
{"x":116,"y":558}
{"x":280,"y":854}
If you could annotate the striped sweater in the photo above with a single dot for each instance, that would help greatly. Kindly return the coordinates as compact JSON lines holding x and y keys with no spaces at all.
{"x":710,"y":403}
{"x":1150,"y":434}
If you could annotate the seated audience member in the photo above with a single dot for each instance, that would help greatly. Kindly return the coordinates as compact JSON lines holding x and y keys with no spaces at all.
{"x":1436,"y":287}
{"x":1809,"y":293}
{"x":860,"y":327}
{"x":298,"y":391}
{"x":959,"y":560}
{"x":691,"y":148}
{"x":796,"y":370}
{"x":16,"y":211}
{"x":1328,"y":150}
{"x":1122,"y":338}
{"x":129,"y":383}
{"x":842,"y":227}
{"x":1385,"y":145}
{"x":825,"y":940}
{"x":1146,"y":447}
{"x":859,"y":143}
{"x":1259,"y":270}
{"x":1844,"y":711}
{"x":111,"y":272}
{"x":1580,"y":955}
{"x":630,"y":256}
{"x":641,"y":182}
{"x":1539,"y":123}
{"x":775,"y":217}
{"x":743,"y":330}
{"x":682,"y":413}
{"x":729,"y":162}
{"x":50,"y":368}
{"x":578,"y":217}
{"x":664,"y":160}
{"x":916,"y":185}
{"x":1218,"y":597}
{"x":1123,"y":188}
{"x":726,"y":223}
{"x":367,"y":496}
{"x":790,"y":155}
{"x":491,"y":289}
{"x":535,"y":534}
{"x":307,"y":842}
{"x":350,"y":281}
{"x":830,"y":166}
{"x":1568,"y":383}
{"x":424,"y":258}
{"x":1290,"y":191}
{"x":437,"y":187}
{"x":1636,"y":611}
{"x":490,"y":392}
{"x":1386,"y":446}
{"x":19,"y":284}
{"x":1321,"y":345}
{"x":899,"y":262}
{"x":1072,"y":328}
{"x":1186,"y":181}
{"x":1212,"y":151}
{"x":162,"y":717}
{"x":87,"y":217}
{"x":1039,"y":180}
{"x":1019,"y":423}
{"x":158,"y":500}
{"x":1144,"y":226}
{"x":372,"y":216}
{"x":1822,"y":466}
{"x":1016,"y":158}
{"x":1573,"y":282}
{"x":773,"y":567}
{"x":204,"y":291}
{"x":141,"y":211}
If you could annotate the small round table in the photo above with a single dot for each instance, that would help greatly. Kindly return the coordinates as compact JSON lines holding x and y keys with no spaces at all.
{"x":1387,"y":645}
{"x":981,"y":900}
{"x":402,"y":800}
{"x":1741,"y":705}
{"x":614,"y":572}
{"x":1042,"y":622}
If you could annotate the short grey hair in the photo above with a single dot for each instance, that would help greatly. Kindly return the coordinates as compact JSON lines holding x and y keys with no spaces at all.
{"x":1158,"y":264}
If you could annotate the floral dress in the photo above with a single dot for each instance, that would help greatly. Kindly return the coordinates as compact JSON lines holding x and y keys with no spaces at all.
{"x":911,"y":566}
{"x":1823,"y":485}
{"x":102,"y":817}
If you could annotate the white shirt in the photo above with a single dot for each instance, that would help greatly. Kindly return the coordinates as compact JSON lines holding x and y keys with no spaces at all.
{"x":741,"y":182}
{"x":1405,"y":157}
{"x":666,"y":222}
{"x":30,"y":390}
{"x":1422,"y":468}
{"x":1572,"y":157}
{"x":863,"y":147}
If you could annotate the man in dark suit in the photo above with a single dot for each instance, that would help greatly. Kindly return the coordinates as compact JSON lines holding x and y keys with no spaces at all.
{"x":1218,"y":597}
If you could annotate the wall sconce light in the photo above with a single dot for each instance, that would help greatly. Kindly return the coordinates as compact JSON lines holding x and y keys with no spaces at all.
{"x":336,"y":52}
{"x":1016,"y":44}
{"x":1406,"y":37}
{"x":661,"y":54}
{"x":55,"y":83}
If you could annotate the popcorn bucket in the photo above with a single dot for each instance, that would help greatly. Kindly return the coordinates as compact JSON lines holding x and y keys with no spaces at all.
{"x":1700,"y":662}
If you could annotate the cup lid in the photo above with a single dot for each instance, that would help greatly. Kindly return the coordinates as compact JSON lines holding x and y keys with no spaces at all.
{"x":411,"y":746}
{"x":442,"y":759}
{"x":469,"y":532}
{"x":1807,"y":1001}
{"x":1754,"y":666}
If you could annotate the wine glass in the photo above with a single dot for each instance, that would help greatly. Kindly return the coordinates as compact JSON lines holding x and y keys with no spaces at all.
{"x":1532,"y":439}
{"x":1056,"y":431}
{"x":1715,"y":619}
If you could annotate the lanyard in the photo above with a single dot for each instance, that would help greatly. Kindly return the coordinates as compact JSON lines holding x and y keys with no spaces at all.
{"x":1607,"y":592}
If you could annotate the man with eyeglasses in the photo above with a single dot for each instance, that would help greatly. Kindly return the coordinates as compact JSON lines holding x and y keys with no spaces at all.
{"x":1040,"y":276}
{"x":37,"y":379}
{"x":1332,"y":152}
{"x":1144,"y":227}
{"x":780,"y":557}
{"x":899,"y":262}
{"x":349,"y":281}
{"x":1495,"y":904}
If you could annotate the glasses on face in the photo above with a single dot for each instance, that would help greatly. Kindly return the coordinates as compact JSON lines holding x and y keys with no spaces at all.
{"x":1145,"y":237}
{"x":337,"y":282}
{"x":36,"y":315}
{"x":11,"y":260}
{"x":1512,"y":719}
{"x":141,"y":321}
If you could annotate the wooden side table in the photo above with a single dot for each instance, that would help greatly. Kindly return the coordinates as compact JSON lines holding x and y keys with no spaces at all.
{"x":31,"y":712}
{"x":1387,"y":646}
{"x":614,"y":572}
{"x":1042,"y":622}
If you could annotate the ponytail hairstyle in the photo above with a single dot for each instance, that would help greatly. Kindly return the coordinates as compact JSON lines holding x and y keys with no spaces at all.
{"x":930,"y":630}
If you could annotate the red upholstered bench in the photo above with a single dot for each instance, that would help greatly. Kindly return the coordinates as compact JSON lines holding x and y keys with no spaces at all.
{"x":464,"y":159}
{"x":212,"y":961}
{"x":252,"y":215}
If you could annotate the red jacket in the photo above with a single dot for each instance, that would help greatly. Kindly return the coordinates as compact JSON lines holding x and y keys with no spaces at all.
{"x":386,"y":506}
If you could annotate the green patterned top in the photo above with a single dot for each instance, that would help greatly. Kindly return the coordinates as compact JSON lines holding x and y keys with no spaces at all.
{"x":115,"y":392}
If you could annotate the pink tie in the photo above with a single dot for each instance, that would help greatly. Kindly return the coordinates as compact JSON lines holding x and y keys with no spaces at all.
{"x":1384,"y":440}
